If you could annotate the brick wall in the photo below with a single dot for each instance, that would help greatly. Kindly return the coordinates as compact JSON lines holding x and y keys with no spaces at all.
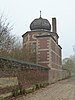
{"x":14,"y":73}
{"x":55,"y":54}
{"x":57,"y":74}
{"x":43,"y":51}
{"x":24,"y":74}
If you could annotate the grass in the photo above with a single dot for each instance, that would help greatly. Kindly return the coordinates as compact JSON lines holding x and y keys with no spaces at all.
{"x":21,"y":91}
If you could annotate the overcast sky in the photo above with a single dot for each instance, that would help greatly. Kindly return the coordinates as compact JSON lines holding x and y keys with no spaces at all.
{"x":22,"y":12}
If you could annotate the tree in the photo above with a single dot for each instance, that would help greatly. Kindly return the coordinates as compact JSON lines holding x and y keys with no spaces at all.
{"x":10,"y":46}
{"x":7,"y":41}
{"x":23,"y":54}
{"x":69,"y":64}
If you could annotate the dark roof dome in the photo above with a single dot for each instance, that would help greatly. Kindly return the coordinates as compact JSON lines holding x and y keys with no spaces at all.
{"x":40,"y":23}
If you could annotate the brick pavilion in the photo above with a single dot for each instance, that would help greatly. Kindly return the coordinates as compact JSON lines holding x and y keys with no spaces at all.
{"x":44,"y":42}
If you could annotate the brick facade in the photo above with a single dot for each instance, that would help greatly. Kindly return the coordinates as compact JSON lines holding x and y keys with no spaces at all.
{"x":55,"y":55}
{"x":47,"y":49}
{"x":48,"y":52}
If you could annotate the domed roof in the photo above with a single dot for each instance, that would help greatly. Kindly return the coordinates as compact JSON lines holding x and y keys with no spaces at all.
{"x":40,"y":23}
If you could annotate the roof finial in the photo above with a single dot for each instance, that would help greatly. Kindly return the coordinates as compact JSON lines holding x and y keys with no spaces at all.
{"x":40,"y":13}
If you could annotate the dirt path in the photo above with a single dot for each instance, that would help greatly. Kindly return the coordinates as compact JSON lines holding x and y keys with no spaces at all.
{"x":63,"y":90}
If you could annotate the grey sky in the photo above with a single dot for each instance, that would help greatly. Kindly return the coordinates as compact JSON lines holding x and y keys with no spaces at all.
{"x":22,"y":12}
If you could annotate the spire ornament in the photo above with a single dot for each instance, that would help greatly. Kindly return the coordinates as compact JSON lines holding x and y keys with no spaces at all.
{"x":40,"y":14}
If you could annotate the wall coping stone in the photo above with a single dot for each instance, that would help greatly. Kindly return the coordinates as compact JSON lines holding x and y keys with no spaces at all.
{"x":30,"y":64}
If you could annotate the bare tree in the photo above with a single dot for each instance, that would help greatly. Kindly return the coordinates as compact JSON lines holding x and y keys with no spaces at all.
{"x":7,"y":41}
{"x":23,"y":54}
{"x":69,"y":64}
{"x":10,"y":46}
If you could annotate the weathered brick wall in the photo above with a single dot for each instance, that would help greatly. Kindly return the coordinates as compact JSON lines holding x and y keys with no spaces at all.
{"x":15,"y":73}
{"x":26,"y":74}
{"x":55,"y":55}
{"x":57,"y":74}
{"x":43,"y":50}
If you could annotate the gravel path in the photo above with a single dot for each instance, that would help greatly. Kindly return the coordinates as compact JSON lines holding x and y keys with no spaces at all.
{"x":62,"y":90}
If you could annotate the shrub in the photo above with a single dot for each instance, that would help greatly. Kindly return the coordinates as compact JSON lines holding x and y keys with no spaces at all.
{"x":33,"y":88}
{"x":2,"y":98}
{"x":37,"y":86}
{"x":15,"y":92}
{"x":43,"y":85}
{"x":22,"y":91}
{"x":29,"y":90}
